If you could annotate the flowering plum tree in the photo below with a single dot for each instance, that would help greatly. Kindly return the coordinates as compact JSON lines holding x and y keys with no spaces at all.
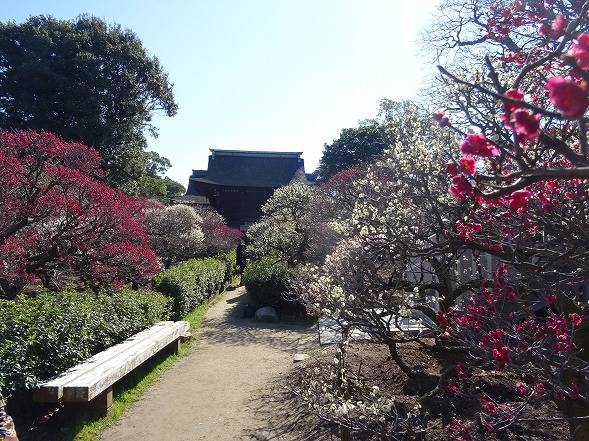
{"x":218,"y":237}
{"x":523,"y":165}
{"x":519,"y":183}
{"x":174,"y":232}
{"x":285,"y":228}
{"x":57,"y":219}
{"x":396,"y":263}
{"x":524,"y":97}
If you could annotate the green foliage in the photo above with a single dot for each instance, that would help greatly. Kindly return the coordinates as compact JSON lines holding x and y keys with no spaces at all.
{"x":151,"y":184}
{"x":266,"y":281}
{"x":89,"y":82}
{"x":353,"y":147}
{"x":153,"y":188}
{"x":45,"y":335}
{"x":229,"y":259}
{"x":173,"y":188}
{"x":127,"y":312}
{"x":191,"y":283}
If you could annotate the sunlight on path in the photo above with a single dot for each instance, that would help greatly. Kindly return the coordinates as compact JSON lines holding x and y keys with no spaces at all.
{"x":215,"y":393}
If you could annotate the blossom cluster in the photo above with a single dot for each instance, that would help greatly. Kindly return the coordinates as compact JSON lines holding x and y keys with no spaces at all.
{"x":58,"y":218}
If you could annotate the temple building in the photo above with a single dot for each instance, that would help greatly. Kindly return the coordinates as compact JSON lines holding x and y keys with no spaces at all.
{"x":237,"y":183}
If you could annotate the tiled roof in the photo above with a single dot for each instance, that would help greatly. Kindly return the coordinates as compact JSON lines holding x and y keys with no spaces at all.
{"x":252,"y":169}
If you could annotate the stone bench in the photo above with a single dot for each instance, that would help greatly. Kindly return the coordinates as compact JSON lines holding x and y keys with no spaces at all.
{"x":90,"y":383}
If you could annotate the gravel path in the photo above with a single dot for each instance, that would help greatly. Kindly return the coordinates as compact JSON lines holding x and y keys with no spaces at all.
{"x":228,"y":387}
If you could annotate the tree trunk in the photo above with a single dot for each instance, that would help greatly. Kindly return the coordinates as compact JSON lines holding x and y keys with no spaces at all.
{"x":345,"y":433}
{"x":399,"y":361}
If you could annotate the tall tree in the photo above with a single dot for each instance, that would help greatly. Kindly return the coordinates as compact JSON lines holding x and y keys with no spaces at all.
{"x":353,"y":147}
{"x":57,"y":219}
{"x":397,"y":121}
{"x":152,"y":184}
{"x":87,"y":82}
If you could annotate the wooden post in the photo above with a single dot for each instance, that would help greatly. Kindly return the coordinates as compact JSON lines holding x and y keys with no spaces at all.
{"x":101,"y":404}
{"x":174,"y":347}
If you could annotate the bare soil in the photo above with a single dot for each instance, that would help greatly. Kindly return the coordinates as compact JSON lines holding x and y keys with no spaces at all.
{"x":371,"y":364}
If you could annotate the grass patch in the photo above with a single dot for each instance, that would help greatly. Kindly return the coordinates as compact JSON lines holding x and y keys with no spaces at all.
{"x":63,"y":425}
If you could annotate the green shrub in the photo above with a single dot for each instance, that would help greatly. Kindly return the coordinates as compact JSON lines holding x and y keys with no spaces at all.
{"x":45,"y":335}
{"x":229,"y":259}
{"x":191,"y":283}
{"x":266,"y":281}
{"x":127,"y":312}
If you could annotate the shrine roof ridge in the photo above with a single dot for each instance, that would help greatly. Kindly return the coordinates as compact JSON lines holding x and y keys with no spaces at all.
{"x":256,"y":153}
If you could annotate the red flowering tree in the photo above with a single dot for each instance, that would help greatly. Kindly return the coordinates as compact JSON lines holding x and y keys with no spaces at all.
{"x":57,"y":219}
{"x":524,"y":168}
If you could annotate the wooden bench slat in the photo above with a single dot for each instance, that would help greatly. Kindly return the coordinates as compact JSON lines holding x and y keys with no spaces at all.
{"x":88,"y":379}
{"x":93,"y":382}
{"x":52,"y":390}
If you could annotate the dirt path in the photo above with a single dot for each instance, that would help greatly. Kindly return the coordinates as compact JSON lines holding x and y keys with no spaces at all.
{"x":227,"y":388}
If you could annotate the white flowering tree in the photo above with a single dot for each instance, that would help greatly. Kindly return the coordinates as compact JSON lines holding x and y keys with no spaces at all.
{"x":174,"y":232}
{"x":290,"y":226}
{"x":396,"y":265}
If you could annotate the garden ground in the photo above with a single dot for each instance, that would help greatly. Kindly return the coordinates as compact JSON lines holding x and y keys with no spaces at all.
{"x":230,"y":386}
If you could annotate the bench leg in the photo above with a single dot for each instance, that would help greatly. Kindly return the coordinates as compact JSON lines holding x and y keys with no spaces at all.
{"x":103,"y":402}
{"x":174,"y":347}
{"x":100,"y":405}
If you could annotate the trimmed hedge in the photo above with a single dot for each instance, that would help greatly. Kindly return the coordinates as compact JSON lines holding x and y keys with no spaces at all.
{"x":229,"y":259}
{"x":44,"y":335}
{"x":266,"y":281}
{"x":191,"y":283}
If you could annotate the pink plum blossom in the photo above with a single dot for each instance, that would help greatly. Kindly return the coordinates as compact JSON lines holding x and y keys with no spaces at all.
{"x":441,"y":119}
{"x":556,"y":30}
{"x":580,"y":50}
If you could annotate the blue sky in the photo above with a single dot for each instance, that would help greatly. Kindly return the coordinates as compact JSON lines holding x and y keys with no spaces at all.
{"x":284,"y":75}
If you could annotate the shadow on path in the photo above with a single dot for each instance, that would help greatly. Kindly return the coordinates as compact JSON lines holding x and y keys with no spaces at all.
{"x":229,"y":386}
{"x":231,"y":328}
{"x":295,"y":421}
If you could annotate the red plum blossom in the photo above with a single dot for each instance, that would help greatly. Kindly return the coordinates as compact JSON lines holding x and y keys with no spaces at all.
{"x":519,"y":199}
{"x":478,"y":145}
{"x":568,"y":96}
{"x":526,"y":124}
